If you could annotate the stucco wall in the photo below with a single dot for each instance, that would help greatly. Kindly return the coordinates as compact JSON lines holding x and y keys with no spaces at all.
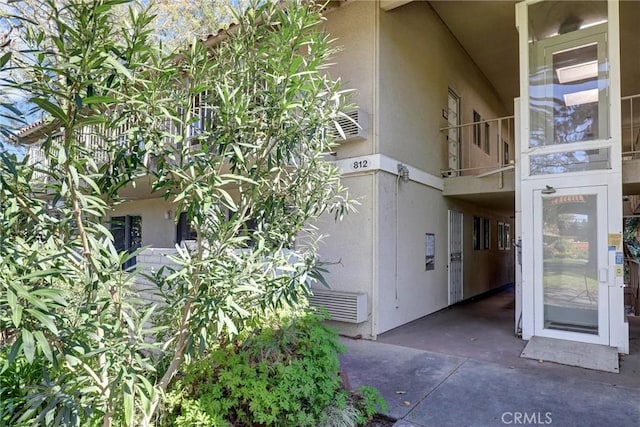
{"x":157,"y":231}
{"x":349,"y":245}
{"x":353,"y":25}
{"x":419,"y":61}
{"x":406,"y":290}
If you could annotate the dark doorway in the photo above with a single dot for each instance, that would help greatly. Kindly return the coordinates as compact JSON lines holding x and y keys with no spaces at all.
{"x":127,"y":235}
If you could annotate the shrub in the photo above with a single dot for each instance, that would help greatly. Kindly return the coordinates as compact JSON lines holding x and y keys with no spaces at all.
{"x":284,"y":373}
{"x":271,"y":107}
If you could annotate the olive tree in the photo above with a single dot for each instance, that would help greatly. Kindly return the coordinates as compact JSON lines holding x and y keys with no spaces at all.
{"x":233,"y":131}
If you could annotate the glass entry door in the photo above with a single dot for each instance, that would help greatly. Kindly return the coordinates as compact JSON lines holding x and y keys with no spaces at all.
{"x":571,"y":281}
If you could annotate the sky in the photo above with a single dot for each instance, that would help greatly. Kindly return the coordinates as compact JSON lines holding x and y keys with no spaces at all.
{"x":16,"y":99}
{"x":7,"y":96}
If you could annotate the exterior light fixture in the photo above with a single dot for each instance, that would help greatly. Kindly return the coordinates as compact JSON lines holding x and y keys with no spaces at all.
{"x":403,"y":172}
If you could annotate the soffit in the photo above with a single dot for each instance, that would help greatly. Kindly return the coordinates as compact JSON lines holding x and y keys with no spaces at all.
{"x":487,"y":32}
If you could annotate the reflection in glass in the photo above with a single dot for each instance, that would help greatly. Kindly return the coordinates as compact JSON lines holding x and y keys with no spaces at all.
{"x":565,"y":93}
{"x":550,"y":19}
{"x":570,"y":263}
{"x":568,"y":74}
{"x":575,"y":102}
{"x":570,"y":161}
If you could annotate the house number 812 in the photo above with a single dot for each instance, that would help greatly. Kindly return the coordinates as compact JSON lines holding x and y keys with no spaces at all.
{"x":361,"y":164}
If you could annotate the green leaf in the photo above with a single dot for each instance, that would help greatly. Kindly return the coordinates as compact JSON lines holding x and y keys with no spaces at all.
{"x":44,"y":319}
{"x":28,"y":345}
{"x":78,"y":101}
{"x":16,"y":316}
{"x":8,"y":163}
{"x":5,"y":58}
{"x":51,"y":108}
{"x":129,"y":395}
{"x":99,"y":100}
{"x":62,"y":156}
{"x":74,"y":176}
{"x":44,"y":345}
{"x":118,"y":66}
{"x":12,"y":300}
{"x":41,"y":273}
{"x":91,"y":120}
{"x":15,"y":349}
{"x":71,"y":360}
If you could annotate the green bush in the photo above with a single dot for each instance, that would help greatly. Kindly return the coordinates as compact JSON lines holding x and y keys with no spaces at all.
{"x":284,"y":374}
{"x":14,"y":379}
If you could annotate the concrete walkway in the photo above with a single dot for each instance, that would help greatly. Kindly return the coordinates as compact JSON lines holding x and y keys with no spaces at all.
{"x":461,"y":367}
{"x":427,"y":389}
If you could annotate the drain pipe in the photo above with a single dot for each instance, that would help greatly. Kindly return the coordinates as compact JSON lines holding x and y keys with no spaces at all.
{"x":397,"y":239}
{"x":376,"y":194}
{"x":403,"y":174}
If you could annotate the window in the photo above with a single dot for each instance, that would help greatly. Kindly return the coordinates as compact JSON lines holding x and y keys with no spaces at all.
{"x":203,"y":111}
{"x":476,"y":233}
{"x":477,"y":129}
{"x":199,"y":118}
{"x":481,"y":135}
{"x":127,"y":235}
{"x":487,"y":139}
{"x":501,"y":235}
{"x":486,"y":236}
{"x":505,"y":153}
{"x":507,"y":236}
{"x":184,"y":231}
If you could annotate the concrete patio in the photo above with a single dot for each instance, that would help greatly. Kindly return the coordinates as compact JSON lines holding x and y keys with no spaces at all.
{"x":461,"y":367}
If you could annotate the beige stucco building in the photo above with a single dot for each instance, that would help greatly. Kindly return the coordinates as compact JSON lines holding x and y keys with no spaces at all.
{"x":451,"y":205}
{"x":460,"y":192}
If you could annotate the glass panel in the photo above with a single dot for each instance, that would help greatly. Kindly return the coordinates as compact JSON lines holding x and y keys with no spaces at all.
{"x":550,"y":19}
{"x":570,"y":263}
{"x":575,"y":95}
{"x":568,"y":72}
{"x":570,"y":161}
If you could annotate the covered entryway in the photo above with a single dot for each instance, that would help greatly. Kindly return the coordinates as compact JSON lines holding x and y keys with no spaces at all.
{"x":482,"y":329}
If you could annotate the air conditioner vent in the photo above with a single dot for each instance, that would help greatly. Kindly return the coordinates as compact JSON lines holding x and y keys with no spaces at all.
{"x":342,"y":306}
{"x":354,"y":126}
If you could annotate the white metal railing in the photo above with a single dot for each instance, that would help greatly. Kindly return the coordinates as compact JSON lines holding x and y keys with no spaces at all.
{"x":631,"y":127}
{"x":488,"y":146}
{"x":480,"y":147}
{"x":95,"y":138}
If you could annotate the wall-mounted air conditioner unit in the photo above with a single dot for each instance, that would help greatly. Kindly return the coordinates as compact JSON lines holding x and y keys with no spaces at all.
{"x":342,"y":306}
{"x":354,"y":126}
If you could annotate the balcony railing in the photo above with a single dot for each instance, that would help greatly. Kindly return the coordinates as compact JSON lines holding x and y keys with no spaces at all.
{"x":488,"y":146}
{"x":480,"y":147}
{"x":91,"y":137}
{"x":631,"y":127}
{"x":94,"y":138}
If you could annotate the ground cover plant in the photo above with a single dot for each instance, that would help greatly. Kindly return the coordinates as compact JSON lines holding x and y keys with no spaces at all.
{"x":283,"y":373}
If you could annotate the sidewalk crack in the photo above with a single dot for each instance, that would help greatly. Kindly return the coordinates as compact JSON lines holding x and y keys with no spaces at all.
{"x":436,"y":387}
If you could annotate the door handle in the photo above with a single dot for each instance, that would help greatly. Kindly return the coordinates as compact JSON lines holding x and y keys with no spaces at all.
{"x":603,"y":275}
